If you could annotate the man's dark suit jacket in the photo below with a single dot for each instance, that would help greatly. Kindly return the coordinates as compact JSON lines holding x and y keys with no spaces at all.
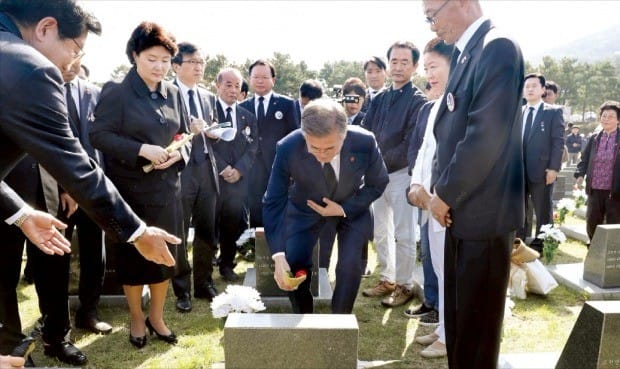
{"x":358,"y":118}
{"x":241,"y":151}
{"x":297,"y":177}
{"x":280,"y":120}
{"x":298,"y":110}
{"x":88,"y":97}
{"x":27,"y":76}
{"x":478,"y":169}
{"x":417,"y":135}
{"x":545,"y":144}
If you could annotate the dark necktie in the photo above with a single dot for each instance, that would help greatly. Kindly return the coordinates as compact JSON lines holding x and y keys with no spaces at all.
{"x":454,"y":60}
{"x":71,"y":108}
{"x":261,"y":110}
{"x":192,"y":105}
{"x":330,"y":178}
{"x":228,"y":117}
{"x":528,"y":125}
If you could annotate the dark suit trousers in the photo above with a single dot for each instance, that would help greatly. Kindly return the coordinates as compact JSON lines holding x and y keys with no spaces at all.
{"x":92,"y":262}
{"x":259,"y":177}
{"x":10,"y":265}
{"x":348,"y":268}
{"x":231,"y":219}
{"x":199,"y":202}
{"x":476,"y":278}
{"x":601,"y":210}
{"x":542,"y":200}
{"x":326,"y":245}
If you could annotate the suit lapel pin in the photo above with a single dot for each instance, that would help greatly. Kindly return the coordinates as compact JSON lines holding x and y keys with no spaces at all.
{"x":450,"y":101}
{"x":279,"y":115}
{"x":352,"y":159}
{"x":463,"y":59}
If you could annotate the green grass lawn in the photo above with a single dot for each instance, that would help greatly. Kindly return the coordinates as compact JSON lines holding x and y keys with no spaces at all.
{"x":539,"y":323}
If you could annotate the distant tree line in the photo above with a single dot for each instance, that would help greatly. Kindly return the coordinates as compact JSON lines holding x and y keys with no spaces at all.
{"x":583,"y":86}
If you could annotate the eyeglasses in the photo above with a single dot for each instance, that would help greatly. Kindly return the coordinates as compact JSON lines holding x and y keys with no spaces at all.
{"x":431,"y":19}
{"x":194,"y":62}
{"x":79,"y":54}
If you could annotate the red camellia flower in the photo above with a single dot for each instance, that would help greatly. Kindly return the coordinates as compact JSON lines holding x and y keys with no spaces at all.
{"x":556,"y":215}
{"x":178,"y":137}
{"x":300,"y":273}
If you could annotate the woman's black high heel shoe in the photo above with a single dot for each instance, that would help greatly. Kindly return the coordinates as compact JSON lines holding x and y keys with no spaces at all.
{"x":138,"y":342}
{"x":171,"y":338}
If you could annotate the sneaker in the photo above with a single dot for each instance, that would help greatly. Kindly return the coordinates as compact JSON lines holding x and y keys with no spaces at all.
{"x":427,"y":339}
{"x":400,"y":296}
{"x":382,"y":288}
{"x":437,"y":349}
{"x":430,"y":320}
{"x":420,"y":311}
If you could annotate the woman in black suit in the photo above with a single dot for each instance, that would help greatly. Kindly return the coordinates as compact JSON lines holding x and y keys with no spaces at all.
{"x":134,"y":121}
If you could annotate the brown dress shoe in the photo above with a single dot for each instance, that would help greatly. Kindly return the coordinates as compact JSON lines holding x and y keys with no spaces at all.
{"x":383,"y":288}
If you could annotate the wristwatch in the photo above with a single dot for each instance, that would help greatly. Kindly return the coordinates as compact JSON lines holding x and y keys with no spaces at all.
{"x":22,"y":218}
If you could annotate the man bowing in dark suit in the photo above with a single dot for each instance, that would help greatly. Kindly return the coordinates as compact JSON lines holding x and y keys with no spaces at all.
{"x":543,"y":144}
{"x":477,"y":177}
{"x":275,"y":117}
{"x":325,"y":172}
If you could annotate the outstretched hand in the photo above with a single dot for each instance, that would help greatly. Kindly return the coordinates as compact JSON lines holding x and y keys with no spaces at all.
{"x":152,"y":245}
{"x":42,"y":230}
{"x":13,"y":362}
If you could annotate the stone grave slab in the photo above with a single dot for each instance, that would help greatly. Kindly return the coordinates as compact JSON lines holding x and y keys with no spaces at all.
{"x":291,"y":341}
{"x":571,"y":276}
{"x":265,"y":266}
{"x":323,"y":299}
{"x":594,"y":340}
{"x":602,"y":264}
{"x":576,"y":232}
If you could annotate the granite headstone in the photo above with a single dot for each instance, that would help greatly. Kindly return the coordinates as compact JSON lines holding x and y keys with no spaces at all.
{"x":602,"y":264}
{"x":595,"y":338}
{"x":265,"y":266}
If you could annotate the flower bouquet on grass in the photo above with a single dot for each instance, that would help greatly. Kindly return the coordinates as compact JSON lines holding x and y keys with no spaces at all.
{"x":564,"y":207}
{"x":246,"y":245}
{"x":580,"y":197}
{"x":552,"y":237}
{"x":236,"y":299}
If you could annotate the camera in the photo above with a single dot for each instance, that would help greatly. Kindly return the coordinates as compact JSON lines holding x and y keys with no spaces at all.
{"x":351,"y":99}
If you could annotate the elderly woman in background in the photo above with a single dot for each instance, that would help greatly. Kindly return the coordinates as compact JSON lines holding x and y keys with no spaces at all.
{"x":134,"y":121}
{"x":600,"y":163}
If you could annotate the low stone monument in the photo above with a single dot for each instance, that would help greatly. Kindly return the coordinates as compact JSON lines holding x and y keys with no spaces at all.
{"x":291,"y":341}
{"x":261,"y":277}
{"x":602,"y":264}
{"x":595,"y":338}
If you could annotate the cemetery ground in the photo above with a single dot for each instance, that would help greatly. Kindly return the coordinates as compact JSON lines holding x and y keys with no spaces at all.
{"x":537,"y":324}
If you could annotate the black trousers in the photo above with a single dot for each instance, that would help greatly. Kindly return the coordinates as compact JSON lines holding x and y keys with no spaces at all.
{"x":540,"y":197}
{"x":602,"y":209}
{"x":259,"y":178}
{"x":199,"y":201}
{"x":326,"y":245}
{"x":476,"y":278}
{"x":92,"y":262}
{"x":232,"y":219}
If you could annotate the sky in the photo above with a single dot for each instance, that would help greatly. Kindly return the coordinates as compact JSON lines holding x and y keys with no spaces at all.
{"x":322,"y":31}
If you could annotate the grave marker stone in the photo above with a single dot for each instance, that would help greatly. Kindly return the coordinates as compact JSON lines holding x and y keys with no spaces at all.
{"x":602,"y":264}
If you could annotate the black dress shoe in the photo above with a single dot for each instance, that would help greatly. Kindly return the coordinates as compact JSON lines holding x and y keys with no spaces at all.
{"x":24,"y":348}
{"x":229,"y":275}
{"x":207,"y":291}
{"x":170,"y":338}
{"x":184,"y":304}
{"x":66,"y":352}
{"x":30,"y":363}
{"x":94,"y":325}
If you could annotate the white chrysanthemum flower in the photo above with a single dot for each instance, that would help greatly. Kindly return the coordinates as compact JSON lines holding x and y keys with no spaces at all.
{"x":236,"y":299}
{"x":566,"y":203}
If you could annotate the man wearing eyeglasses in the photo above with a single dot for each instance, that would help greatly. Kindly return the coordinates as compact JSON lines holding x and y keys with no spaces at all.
{"x":199,"y":181}
{"x":325,"y":172}
{"x":477,"y":177}
{"x":37,"y":38}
